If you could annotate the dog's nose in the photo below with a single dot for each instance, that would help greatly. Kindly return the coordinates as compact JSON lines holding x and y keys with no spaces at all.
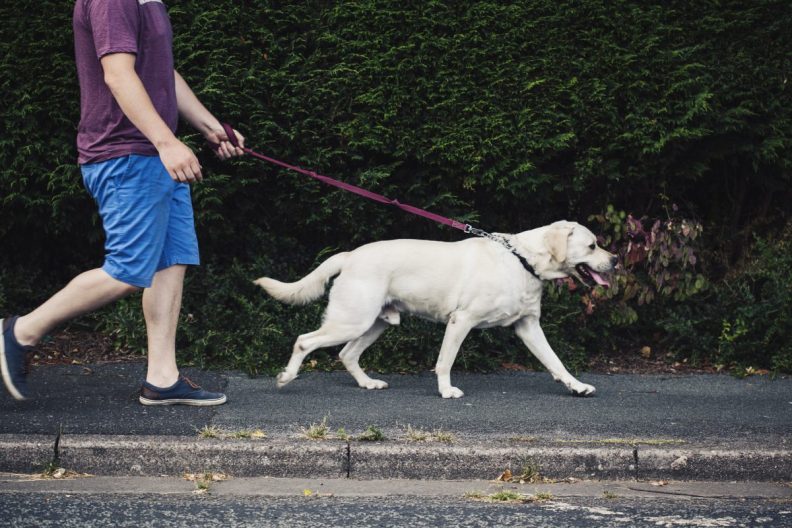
{"x":614,"y":260}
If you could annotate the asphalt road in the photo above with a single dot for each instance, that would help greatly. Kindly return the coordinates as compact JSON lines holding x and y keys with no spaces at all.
{"x":43,"y":510}
{"x":263,"y":501}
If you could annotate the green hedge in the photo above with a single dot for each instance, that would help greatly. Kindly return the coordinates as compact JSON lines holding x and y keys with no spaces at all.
{"x":506,"y":114}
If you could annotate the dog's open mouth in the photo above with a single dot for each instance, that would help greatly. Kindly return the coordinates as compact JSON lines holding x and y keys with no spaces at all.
{"x":588,"y":276}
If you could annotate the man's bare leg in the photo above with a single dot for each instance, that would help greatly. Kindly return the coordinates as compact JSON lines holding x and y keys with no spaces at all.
{"x":161,"y":307}
{"x":87,"y":292}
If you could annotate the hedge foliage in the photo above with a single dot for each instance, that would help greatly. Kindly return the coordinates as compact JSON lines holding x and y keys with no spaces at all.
{"x":505,"y":114}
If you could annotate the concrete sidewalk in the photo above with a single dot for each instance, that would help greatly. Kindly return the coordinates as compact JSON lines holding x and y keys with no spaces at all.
{"x":682,"y":427}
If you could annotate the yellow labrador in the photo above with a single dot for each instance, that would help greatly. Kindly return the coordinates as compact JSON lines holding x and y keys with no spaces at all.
{"x":474,"y":283}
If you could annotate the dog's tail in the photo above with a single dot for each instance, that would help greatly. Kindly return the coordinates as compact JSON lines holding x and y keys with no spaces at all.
{"x":307,"y":289}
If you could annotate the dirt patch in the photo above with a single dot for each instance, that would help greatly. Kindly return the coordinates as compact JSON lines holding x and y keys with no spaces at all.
{"x":635,"y":363}
{"x":77,"y":347}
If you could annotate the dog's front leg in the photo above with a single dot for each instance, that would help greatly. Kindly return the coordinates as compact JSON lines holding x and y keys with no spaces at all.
{"x":457,"y":329}
{"x":531,"y":333}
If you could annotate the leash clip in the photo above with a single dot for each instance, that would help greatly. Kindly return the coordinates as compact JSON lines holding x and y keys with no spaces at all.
{"x":475,"y":231}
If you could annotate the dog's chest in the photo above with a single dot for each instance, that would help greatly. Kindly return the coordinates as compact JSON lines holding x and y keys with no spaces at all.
{"x":512,"y":308}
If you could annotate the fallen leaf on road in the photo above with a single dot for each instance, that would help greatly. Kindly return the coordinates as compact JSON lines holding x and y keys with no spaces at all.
{"x":258,"y":433}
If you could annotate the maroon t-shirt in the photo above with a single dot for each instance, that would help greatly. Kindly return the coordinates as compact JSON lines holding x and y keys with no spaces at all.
{"x":101,"y":27}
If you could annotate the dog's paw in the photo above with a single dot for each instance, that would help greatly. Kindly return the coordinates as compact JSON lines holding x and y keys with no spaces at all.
{"x":373,"y":384}
{"x":451,"y":392}
{"x":582,"y":389}
{"x":282,"y":379}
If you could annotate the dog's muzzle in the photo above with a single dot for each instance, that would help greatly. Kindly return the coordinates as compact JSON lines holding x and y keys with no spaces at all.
{"x":588,"y":276}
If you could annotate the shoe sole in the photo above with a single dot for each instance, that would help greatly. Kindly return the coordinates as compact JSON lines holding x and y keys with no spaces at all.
{"x":175,"y":401}
{"x":4,"y":368}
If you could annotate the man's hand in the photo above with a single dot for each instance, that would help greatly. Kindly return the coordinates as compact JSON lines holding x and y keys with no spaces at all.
{"x":180,"y":162}
{"x":218,"y":136}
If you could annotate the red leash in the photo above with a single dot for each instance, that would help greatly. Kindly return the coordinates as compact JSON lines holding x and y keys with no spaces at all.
{"x":467,"y":228}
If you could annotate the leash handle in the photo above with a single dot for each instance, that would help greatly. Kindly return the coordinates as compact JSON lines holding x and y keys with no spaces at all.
{"x":229,"y":130}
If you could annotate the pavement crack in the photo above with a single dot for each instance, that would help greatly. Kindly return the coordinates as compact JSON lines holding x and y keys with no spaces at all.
{"x":681,"y":494}
{"x":56,"y":448}
{"x":349,"y":459}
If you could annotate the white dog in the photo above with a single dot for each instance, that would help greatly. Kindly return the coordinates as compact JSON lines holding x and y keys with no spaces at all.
{"x":474,"y":283}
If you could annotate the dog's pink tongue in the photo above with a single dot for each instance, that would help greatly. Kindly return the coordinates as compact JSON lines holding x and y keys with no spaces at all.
{"x":598,"y":279}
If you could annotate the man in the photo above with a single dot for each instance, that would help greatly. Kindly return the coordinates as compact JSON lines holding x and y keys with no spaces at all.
{"x":139,"y":174}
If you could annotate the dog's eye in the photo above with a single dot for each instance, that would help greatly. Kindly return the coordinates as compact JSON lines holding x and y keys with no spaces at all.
{"x":592,"y":246}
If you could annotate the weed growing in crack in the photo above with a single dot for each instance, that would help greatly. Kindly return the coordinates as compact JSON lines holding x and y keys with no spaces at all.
{"x":210,"y":431}
{"x":419,"y":435}
{"x":371,"y":434}
{"x":341,"y":434}
{"x":203,"y":481}
{"x":508,"y":496}
{"x":317,"y":431}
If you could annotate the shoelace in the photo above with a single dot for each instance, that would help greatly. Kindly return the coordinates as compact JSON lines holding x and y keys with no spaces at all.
{"x":190,"y":382}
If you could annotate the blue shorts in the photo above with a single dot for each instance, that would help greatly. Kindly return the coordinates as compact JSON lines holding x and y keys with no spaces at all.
{"x":147,"y":217}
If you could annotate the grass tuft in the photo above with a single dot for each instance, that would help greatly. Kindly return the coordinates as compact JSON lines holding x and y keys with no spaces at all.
{"x":317,"y":431}
{"x":371,"y":434}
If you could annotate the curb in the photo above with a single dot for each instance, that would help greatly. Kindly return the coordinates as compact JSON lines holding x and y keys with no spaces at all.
{"x":298,"y":458}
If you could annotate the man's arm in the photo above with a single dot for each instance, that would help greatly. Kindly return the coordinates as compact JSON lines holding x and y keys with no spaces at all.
{"x":131,"y":95}
{"x":195,"y":113}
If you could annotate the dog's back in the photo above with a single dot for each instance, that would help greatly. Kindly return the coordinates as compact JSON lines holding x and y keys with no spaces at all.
{"x":404,"y":264}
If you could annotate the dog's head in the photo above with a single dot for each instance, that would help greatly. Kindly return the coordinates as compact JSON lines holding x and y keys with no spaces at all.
{"x":570,"y":249}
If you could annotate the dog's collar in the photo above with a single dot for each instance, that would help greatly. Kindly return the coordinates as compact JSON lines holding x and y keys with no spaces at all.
{"x":524,"y":263}
{"x":503,"y":241}
{"x":530,"y":269}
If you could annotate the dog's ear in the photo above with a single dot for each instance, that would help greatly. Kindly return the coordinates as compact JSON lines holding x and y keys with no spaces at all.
{"x":556,"y":242}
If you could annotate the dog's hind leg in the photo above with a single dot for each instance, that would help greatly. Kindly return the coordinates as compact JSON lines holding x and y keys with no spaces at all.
{"x":352,"y":308}
{"x":352,"y":351}
{"x":329,"y":334}
{"x":457,"y":329}
{"x":530,"y":332}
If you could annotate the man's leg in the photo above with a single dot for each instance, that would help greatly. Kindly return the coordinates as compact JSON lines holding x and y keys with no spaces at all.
{"x":161,"y":307}
{"x":85,"y":293}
